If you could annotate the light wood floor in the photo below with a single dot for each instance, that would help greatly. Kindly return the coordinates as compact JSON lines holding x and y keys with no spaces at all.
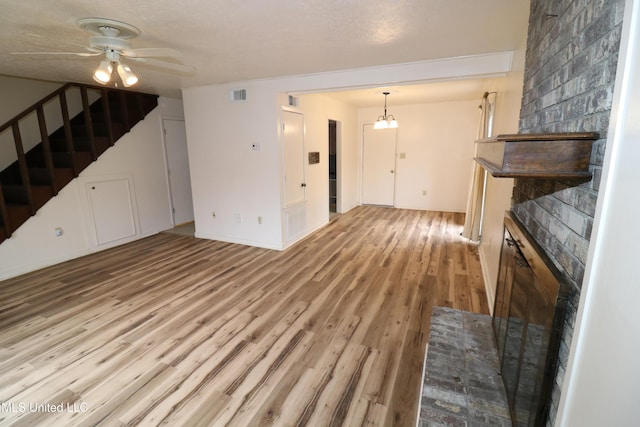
{"x":173,"y":330}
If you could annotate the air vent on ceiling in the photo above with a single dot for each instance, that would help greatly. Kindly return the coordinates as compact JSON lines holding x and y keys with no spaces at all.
{"x":293,"y":101}
{"x":237,"y":95}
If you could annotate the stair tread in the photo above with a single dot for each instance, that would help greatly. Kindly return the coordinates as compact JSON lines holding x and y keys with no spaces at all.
{"x":17,"y":214}
{"x":55,"y":168}
{"x":41,"y":176}
{"x":80,"y":143}
{"x":17,"y":186}
{"x":13,"y":206}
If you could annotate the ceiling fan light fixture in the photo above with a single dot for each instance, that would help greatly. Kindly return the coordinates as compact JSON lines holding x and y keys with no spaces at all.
{"x":103,"y":73}
{"x":111,"y":38}
{"x":126,"y":75}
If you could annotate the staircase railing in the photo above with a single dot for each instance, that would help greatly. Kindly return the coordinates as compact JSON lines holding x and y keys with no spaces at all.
{"x":63,"y":113}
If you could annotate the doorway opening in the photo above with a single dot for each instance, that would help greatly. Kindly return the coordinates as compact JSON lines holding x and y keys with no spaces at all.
{"x":177,"y":157}
{"x":333,"y":169}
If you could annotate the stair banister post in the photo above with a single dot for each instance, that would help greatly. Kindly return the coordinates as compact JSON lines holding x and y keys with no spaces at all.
{"x":5,"y":214}
{"x":107,"y":115}
{"x":68,"y":134}
{"x":125,"y":111}
{"x":22,"y":163}
{"x":48,"y":158}
{"x":88,"y":122}
{"x":140,"y":104}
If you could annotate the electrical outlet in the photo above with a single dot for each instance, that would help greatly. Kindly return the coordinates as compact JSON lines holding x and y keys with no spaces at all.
{"x":259,"y":220}
{"x":238,"y":218}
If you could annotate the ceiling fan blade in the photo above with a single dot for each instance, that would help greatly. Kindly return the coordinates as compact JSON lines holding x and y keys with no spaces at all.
{"x":166,"y":65}
{"x":147,"y":52}
{"x":57,"y":53}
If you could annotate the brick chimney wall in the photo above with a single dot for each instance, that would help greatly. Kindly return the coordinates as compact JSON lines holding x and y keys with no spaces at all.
{"x":572,"y":52}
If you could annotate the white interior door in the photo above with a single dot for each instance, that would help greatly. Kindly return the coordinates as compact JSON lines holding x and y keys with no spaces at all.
{"x":112,"y":209}
{"x":293,"y":154}
{"x":378,"y":166}
{"x":175,"y":139}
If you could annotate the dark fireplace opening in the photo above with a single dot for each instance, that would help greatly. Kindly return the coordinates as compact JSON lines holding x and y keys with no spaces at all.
{"x":527,"y":322}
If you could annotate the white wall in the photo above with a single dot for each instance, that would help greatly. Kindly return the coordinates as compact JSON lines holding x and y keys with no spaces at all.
{"x":239,"y":184}
{"x":139,"y":154}
{"x":499,"y":190}
{"x":437,"y":142}
{"x":602,"y":382}
{"x":317,"y":110}
{"x":19,"y":94}
{"x":228,"y":178}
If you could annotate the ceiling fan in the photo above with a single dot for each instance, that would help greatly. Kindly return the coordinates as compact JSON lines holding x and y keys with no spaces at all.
{"x":112,"y":39}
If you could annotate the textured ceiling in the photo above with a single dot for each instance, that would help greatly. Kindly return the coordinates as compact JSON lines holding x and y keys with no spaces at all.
{"x":234,"y":40}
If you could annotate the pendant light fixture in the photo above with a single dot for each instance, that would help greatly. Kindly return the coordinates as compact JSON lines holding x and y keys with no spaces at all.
{"x":384,"y":121}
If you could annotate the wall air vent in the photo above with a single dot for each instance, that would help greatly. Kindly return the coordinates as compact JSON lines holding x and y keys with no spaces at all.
{"x":293,"y":101}
{"x":237,"y":95}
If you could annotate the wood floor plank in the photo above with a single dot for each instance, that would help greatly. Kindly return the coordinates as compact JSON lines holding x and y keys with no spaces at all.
{"x":174,"y":330}
{"x":338,"y":396}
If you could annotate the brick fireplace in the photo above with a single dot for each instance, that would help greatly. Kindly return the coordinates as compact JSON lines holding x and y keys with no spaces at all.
{"x":572,"y":52}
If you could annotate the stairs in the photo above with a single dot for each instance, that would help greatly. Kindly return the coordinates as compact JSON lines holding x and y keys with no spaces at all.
{"x":103,"y":116}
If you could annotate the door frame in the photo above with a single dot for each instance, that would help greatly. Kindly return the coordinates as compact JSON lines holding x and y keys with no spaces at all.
{"x":285,"y":205}
{"x":166,"y":164}
{"x":395,"y":165}
{"x":338,"y":163}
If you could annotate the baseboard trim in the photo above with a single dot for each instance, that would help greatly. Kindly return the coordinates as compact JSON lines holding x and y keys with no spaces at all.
{"x":245,"y":242}
{"x":29,"y":268}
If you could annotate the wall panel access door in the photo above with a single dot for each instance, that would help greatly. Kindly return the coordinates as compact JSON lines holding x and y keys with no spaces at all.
{"x":112,"y":207}
{"x":378,"y":166}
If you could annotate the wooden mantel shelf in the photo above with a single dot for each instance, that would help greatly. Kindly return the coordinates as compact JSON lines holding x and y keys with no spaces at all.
{"x":537,"y":155}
